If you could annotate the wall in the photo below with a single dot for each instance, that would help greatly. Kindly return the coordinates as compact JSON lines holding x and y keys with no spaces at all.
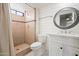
{"x":46,"y":22}
{"x":18,"y":29}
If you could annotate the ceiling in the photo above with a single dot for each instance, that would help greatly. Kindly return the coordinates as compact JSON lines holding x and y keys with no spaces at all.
{"x":38,"y":5}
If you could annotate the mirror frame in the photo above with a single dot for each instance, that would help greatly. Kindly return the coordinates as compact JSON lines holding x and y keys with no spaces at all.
{"x":73,"y":24}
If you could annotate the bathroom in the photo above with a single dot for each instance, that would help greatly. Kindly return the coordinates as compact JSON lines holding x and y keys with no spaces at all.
{"x":33,"y":29}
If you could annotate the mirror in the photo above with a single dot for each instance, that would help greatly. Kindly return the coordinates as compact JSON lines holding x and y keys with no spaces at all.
{"x":66,"y":18}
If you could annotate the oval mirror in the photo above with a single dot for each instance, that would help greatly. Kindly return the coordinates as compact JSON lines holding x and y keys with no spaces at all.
{"x":66,"y":18}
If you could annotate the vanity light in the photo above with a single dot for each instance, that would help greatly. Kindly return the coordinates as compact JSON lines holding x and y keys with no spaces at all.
{"x":67,"y":19}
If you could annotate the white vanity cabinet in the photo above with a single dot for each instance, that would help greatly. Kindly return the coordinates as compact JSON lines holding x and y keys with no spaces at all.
{"x":63,"y":45}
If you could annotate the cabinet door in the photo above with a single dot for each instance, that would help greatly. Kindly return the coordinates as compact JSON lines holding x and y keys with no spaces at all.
{"x":70,"y":51}
{"x":57,"y":49}
{"x":67,"y":51}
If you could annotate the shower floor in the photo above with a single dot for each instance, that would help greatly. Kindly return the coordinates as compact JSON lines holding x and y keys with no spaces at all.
{"x":22,"y":49}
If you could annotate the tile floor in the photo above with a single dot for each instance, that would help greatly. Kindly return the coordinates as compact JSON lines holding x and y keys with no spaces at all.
{"x":31,"y":54}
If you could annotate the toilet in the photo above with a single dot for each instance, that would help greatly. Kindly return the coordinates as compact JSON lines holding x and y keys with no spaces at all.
{"x":38,"y":47}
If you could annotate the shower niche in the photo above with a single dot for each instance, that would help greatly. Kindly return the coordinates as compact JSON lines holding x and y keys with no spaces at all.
{"x":66,"y":18}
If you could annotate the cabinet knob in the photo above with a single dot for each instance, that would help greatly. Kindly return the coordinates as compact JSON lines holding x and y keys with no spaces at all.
{"x":61,"y":47}
{"x":76,"y":54}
